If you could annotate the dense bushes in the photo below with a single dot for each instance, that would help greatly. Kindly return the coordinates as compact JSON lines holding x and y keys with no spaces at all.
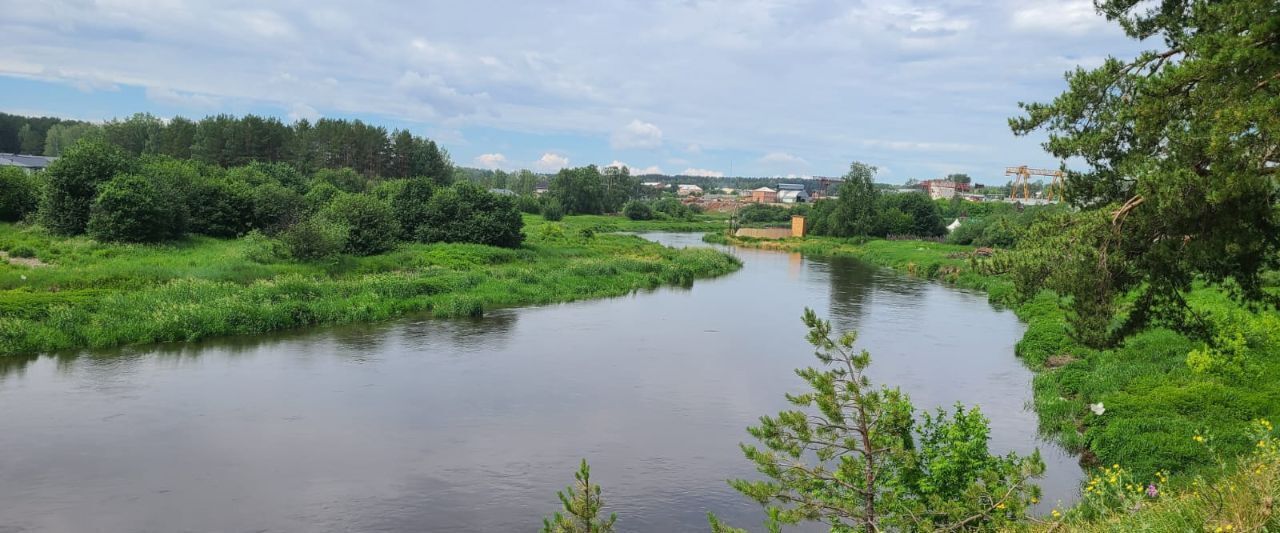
{"x":72,"y":183}
{"x":552,"y":209}
{"x":19,"y":194}
{"x":97,"y":188}
{"x":465,"y":212}
{"x":637,"y":210}
{"x":899,"y":214}
{"x":761,"y":213}
{"x":1002,"y":230}
{"x":132,"y":208}
{"x":371,"y":226}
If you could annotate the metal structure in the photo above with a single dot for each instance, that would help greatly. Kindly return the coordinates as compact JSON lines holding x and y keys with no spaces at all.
{"x":1023,"y":177}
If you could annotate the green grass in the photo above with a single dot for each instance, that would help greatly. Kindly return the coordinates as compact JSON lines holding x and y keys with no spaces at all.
{"x":1154,"y":402}
{"x":609,"y":223}
{"x":97,"y":295}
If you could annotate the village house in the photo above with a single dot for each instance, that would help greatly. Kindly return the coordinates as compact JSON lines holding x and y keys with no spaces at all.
{"x":688,"y":190}
{"x":764,"y":195}
{"x":29,"y":163}
{"x":943,"y":189}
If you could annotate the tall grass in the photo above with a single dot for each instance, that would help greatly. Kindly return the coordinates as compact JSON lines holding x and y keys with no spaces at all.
{"x":99,"y":295}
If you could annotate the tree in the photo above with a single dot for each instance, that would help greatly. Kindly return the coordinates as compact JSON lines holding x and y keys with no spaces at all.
{"x":618,"y":187}
{"x":853,"y":457}
{"x":72,"y":184}
{"x":315,"y":239}
{"x":960,"y":178}
{"x":922,"y":218}
{"x":1183,"y":148}
{"x":637,"y":210}
{"x":582,"y":507}
{"x":133,"y":208}
{"x":63,"y":136}
{"x":854,"y":212}
{"x":276,"y":207}
{"x":19,"y":194}
{"x":219,"y":207}
{"x":580,"y":190}
{"x":371,"y":224}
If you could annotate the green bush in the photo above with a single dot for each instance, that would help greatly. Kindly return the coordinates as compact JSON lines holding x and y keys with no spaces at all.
{"x":220,"y":208}
{"x":528,"y":203}
{"x":19,"y":194}
{"x":314,"y":239}
{"x":276,"y":207}
{"x":371,"y":224}
{"x":969,"y":232}
{"x":465,"y":212}
{"x":130,"y":208}
{"x":319,"y":196}
{"x":637,"y":210}
{"x":344,"y":179}
{"x":72,"y":184}
{"x":673,"y":208}
{"x":761,"y":213}
{"x":410,"y":205}
{"x":25,"y":252}
{"x":260,"y":248}
{"x":552,"y":210}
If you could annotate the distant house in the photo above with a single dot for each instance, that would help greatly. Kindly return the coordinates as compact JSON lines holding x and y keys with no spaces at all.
{"x":793,"y":196}
{"x":688,"y":190}
{"x":654,"y":184}
{"x":541,"y":188}
{"x":29,"y":163}
{"x":764,"y":195}
{"x":503,"y":192}
{"x":943,"y":189}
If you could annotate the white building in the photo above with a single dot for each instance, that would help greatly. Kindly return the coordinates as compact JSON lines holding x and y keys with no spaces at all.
{"x":686,"y":190}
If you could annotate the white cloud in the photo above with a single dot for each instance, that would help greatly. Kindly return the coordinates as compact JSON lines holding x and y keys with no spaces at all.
{"x":493,"y":161}
{"x":550,"y":162}
{"x":702,"y":172}
{"x":694,"y":148}
{"x":1076,"y":17}
{"x":299,"y":111}
{"x":782,"y":158}
{"x":637,"y":134}
{"x":443,"y":99}
{"x":172,"y":97}
{"x":636,"y":171}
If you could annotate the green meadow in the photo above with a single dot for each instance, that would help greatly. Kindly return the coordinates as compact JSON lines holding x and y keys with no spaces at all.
{"x":97,"y":295}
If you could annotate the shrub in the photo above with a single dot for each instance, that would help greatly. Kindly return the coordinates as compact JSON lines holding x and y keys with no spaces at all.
{"x":923,"y":218}
{"x":276,"y":207}
{"x":314,"y":239}
{"x":552,"y":210}
{"x":25,"y":252}
{"x":410,"y":205}
{"x":969,"y":231}
{"x":220,"y":208}
{"x":344,"y":179}
{"x":260,"y":248}
{"x":19,"y":194}
{"x":673,"y":208}
{"x":528,"y":203}
{"x":72,"y":184}
{"x":130,"y":208}
{"x":761,"y":213}
{"x":637,"y":210}
{"x":371,"y":224}
{"x":319,"y":196}
{"x":464,"y":212}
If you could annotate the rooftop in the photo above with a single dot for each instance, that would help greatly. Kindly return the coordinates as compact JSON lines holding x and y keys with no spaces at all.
{"x":25,"y":161}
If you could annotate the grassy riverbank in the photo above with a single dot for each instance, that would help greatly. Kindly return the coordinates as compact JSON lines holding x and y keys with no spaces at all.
{"x":1170,"y":405}
{"x":95,"y":295}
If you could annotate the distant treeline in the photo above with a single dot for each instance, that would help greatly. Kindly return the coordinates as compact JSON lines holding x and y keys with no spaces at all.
{"x":230,"y":141}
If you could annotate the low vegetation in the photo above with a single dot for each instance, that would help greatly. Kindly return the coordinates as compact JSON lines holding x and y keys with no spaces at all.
{"x":97,"y":294}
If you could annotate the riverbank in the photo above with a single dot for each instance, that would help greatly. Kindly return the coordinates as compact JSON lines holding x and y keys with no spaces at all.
{"x":96,"y":295}
{"x":1159,"y":404}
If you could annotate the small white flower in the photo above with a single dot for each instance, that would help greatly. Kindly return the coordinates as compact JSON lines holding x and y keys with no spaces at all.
{"x":1097,"y":408}
{"x":24,"y":277}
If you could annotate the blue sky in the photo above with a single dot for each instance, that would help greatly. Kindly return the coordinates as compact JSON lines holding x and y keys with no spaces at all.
{"x":735,"y":87}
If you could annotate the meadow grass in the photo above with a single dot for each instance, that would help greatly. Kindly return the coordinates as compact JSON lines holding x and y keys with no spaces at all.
{"x":96,"y":295}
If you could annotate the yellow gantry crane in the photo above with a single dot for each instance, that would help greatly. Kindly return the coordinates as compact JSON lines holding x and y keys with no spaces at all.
{"x":1023,"y":178}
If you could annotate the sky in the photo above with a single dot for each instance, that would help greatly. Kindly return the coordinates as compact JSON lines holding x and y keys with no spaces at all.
{"x":733,"y":87}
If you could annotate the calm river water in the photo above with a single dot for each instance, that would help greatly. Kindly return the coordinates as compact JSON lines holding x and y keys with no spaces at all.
{"x":434,"y":425}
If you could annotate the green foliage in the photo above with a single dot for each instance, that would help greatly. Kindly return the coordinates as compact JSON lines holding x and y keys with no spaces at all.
{"x":920,"y":215}
{"x":19,"y":194}
{"x":580,"y":190}
{"x":72,"y":183}
{"x":871,"y":467}
{"x":410,"y":205}
{"x":854,"y":211}
{"x":552,"y":210}
{"x":465,"y":212}
{"x":761,"y":213}
{"x":637,"y":210}
{"x":132,"y":208}
{"x":260,"y":248}
{"x":1181,"y":146}
{"x":276,"y":207}
{"x":528,"y":203}
{"x":617,"y":187}
{"x":315,"y":239}
{"x":371,"y":225}
{"x":672,"y":209}
{"x":343,"y":179}
{"x":582,"y":508}
{"x":220,"y":208}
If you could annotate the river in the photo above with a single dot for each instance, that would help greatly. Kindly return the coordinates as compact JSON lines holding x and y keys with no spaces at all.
{"x":473,"y":425}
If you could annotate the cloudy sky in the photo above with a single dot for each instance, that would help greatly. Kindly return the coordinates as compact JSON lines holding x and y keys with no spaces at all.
{"x":740,"y":87}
